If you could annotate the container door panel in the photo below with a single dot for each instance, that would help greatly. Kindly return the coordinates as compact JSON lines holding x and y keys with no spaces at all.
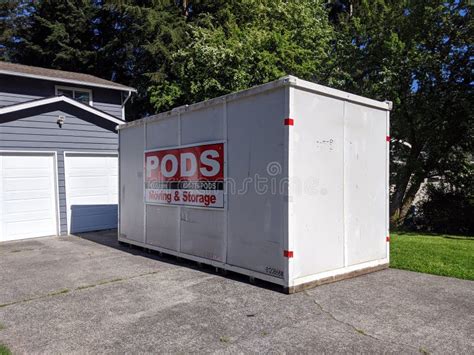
{"x":364,"y":183}
{"x":162,"y":229}
{"x":316,"y":176}
{"x":203,"y":233}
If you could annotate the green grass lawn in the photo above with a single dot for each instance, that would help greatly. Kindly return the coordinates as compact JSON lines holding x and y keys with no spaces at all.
{"x":439,"y":255}
{"x":4,"y":350}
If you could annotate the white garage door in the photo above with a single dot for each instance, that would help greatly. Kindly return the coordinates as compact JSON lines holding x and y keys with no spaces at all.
{"x":91,"y":192}
{"x":27,"y":196}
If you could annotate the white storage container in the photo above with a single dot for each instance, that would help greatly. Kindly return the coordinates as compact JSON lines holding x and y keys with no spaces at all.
{"x":285,"y":182}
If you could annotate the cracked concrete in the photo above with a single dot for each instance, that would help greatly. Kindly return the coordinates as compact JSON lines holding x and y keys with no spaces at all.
{"x":90,"y":295}
{"x":354,"y":328}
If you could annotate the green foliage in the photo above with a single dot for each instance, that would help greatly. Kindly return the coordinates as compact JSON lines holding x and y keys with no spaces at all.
{"x":438,"y":255}
{"x":419,"y":55}
{"x":245,"y":43}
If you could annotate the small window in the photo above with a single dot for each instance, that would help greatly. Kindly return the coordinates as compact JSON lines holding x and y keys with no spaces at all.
{"x":81,"y":95}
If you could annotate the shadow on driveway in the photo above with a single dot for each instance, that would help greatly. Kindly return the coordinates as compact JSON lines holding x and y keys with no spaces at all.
{"x":109,"y":238}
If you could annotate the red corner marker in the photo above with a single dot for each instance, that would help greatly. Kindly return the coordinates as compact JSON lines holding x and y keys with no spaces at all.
{"x":287,"y":253}
{"x":289,"y":122}
{"x":387,"y":238}
{"x":387,"y":138}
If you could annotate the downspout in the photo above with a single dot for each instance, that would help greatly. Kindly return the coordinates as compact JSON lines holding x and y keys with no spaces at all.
{"x":124,"y":102}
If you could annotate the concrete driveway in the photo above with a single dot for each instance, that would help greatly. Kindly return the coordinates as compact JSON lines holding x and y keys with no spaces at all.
{"x":89,"y":295}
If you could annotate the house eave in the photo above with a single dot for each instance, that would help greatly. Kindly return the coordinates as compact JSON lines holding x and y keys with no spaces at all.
{"x":69,"y":81}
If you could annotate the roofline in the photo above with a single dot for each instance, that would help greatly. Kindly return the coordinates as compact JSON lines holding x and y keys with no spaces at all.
{"x":61,"y":98}
{"x":62,"y":80}
{"x":327,"y":91}
{"x":286,"y":81}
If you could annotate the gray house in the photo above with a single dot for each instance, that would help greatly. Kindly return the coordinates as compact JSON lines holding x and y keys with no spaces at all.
{"x":58,"y":151}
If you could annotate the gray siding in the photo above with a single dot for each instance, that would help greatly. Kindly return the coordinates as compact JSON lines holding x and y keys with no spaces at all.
{"x":14,"y":90}
{"x":41,"y":133}
{"x":108,"y":101}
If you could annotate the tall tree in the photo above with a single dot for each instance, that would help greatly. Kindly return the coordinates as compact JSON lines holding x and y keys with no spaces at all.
{"x":419,"y":55}
{"x":237,"y":44}
{"x":126,"y":41}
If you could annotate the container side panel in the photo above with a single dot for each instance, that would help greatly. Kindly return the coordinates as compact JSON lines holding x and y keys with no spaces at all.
{"x":162,"y":228}
{"x":162,"y":222}
{"x":202,"y":233}
{"x":256,"y":154}
{"x":316,"y":182}
{"x":364,"y":183}
{"x":131,"y":183}
{"x":202,"y":125}
{"x":163,"y":133}
{"x":203,"y":230}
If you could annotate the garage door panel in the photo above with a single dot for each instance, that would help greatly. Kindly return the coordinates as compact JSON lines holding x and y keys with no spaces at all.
{"x":86,"y":192}
{"x":27,"y":205}
{"x":80,"y":182}
{"x":28,"y":195}
{"x":30,"y":216}
{"x":27,"y":184}
{"x":85,"y":162}
{"x":92,"y":192}
{"x":91,"y":200}
{"x":26,"y":174}
{"x":28,"y":229}
{"x":92,"y":173}
{"x":26,"y":161}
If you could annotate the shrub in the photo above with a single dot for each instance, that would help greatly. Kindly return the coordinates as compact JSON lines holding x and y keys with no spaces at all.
{"x":446,"y":210}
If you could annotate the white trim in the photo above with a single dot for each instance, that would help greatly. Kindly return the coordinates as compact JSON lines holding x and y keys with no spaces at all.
{"x":124,"y":102}
{"x":70,"y":81}
{"x":74,"y":89}
{"x":54,"y":154}
{"x":340,"y":271}
{"x":51,"y":100}
{"x":81,"y":153}
{"x":324,"y":90}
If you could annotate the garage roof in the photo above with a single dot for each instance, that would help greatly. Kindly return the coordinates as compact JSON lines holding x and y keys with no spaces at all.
{"x":60,"y":76}
{"x":59,"y":99}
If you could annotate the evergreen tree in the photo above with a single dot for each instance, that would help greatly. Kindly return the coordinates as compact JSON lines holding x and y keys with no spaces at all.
{"x":130,"y":42}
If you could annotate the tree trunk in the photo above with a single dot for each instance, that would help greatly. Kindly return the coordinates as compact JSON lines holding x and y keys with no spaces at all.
{"x":404,"y":186}
{"x":397,"y":199}
{"x":409,"y":197}
{"x":185,"y":8}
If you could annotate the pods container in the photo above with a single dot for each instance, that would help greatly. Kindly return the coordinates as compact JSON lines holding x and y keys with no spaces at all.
{"x":286,"y":182}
